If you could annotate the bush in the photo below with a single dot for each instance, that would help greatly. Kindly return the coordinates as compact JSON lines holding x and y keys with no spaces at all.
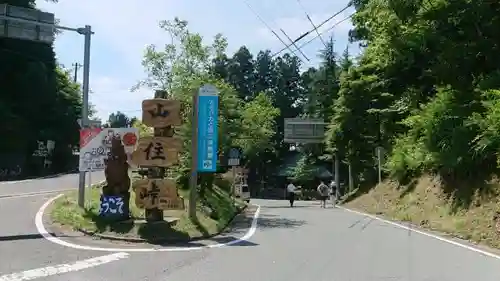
{"x":487,"y":142}
{"x":439,"y":139}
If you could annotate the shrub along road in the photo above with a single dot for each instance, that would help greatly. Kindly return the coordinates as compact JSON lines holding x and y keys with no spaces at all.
{"x":303,"y":243}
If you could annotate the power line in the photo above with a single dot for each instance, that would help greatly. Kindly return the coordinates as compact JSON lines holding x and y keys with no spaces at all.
{"x":269,"y":28}
{"x":318,"y":26}
{"x":321,"y":33}
{"x":312,"y":23}
{"x":295,"y":45}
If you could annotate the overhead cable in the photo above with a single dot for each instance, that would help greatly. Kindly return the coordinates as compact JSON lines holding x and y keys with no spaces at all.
{"x":318,"y":26}
{"x":314,"y":38}
{"x":312,"y":23}
{"x":295,"y":45}
{"x":269,"y":28}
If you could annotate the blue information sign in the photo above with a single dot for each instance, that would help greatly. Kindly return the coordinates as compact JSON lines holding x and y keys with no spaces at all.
{"x":113,"y":207}
{"x":208,"y":112}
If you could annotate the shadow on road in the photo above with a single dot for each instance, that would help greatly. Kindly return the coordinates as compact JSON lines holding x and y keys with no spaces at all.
{"x":228,"y":239}
{"x":273,"y":221}
{"x":24,"y":237}
{"x":202,"y":242}
{"x":265,"y":221}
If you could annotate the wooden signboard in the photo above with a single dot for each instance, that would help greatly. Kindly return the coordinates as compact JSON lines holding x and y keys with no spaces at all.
{"x":157,"y":152}
{"x":157,"y":193}
{"x":160,"y":113}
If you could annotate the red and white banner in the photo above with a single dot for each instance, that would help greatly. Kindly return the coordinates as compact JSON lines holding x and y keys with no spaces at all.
{"x":95,"y":145}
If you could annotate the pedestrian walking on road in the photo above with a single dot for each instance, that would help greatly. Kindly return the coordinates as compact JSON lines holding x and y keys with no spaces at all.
{"x":324,"y":193}
{"x":291,"y":189}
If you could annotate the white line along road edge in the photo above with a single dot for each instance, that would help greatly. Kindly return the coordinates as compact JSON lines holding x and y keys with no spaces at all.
{"x":33,"y":194}
{"x":62,"y":268}
{"x":43,"y":231}
{"x":442,"y":239}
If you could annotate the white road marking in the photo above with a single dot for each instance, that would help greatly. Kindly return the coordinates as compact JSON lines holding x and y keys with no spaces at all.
{"x":442,"y":239}
{"x":62,"y":268}
{"x":39,"y":193}
{"x":13,"y":182}
{"x":28,"y":180}
{"x":31,"y":194}
{"x":43,"y":231}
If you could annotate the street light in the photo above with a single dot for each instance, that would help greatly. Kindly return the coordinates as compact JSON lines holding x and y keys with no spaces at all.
{"x":35,"y":25}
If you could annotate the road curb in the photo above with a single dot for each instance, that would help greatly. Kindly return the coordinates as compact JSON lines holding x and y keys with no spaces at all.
{"x":162,"y":240}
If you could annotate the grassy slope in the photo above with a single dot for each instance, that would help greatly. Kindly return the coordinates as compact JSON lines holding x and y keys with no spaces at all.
{"x":426,"y":204}
{"x":66,"y":212}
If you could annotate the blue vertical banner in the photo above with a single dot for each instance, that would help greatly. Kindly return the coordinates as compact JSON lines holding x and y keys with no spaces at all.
{"x":208,"y":113}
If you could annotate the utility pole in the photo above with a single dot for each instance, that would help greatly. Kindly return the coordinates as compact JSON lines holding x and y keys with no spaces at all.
{"x":76,"y":66}
{"x":87,"y":33}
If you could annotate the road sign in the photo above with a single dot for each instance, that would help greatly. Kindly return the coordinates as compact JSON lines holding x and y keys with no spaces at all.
{"x":95,"y":145}
{"x":234,"y":153}
{"x":157,"y":193}
{"x":160,"y":113}
{"x":234,"y":157}
{"x":208,"y":113}
{"x":27,"y":30}
{"x":157,"y":152}
{"x":299,"y":130}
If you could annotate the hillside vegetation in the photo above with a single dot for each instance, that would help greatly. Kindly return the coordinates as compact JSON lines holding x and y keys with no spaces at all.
{"x":427,"y":90}
{"x":427,"y":204}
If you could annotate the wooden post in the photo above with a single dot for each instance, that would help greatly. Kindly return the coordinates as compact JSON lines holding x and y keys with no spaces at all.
{"x":155,"y":214}
{"x":162,"y":115}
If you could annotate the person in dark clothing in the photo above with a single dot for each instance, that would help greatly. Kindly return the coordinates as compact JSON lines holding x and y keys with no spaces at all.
{"x":324,"y":193}
{"x":291,"y":189}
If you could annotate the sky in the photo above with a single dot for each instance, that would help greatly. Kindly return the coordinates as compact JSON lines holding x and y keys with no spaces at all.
{"x":123,"y":29}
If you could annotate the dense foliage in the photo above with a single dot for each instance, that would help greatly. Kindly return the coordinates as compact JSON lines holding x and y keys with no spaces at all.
{"x":39,"y":102}
{"x":425,"y":89}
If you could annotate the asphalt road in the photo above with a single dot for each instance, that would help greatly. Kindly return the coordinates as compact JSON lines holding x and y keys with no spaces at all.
{"x":303,"y":243}
{"x":47,"y":185}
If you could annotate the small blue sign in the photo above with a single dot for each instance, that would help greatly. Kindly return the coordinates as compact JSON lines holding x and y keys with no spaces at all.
{"x":234,"y":153}
{"x":113,"y":207}
{"x":208,"y":113}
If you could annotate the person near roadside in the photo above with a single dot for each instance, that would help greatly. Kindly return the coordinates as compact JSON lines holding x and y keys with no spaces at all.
{"x":291,"y":190}
{"x":324,"y":193}
{"x":333,"y":188}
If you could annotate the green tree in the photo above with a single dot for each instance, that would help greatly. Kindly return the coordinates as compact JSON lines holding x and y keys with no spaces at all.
{"x":181,"y":68}
{"x":420,"y":89}
{"x":257,"y":129}
{"x":38,"y":101}
{"x":119,"y":120}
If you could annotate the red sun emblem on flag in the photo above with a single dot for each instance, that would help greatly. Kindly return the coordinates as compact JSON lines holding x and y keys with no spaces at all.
{"x":129,"y":139}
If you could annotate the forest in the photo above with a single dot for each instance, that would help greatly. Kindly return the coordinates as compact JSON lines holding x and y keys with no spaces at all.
{"x":425,"y":88}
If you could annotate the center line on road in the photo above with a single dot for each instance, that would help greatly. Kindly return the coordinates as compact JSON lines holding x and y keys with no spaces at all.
{"x":31,"y":194}
{"x":63,"y":268}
